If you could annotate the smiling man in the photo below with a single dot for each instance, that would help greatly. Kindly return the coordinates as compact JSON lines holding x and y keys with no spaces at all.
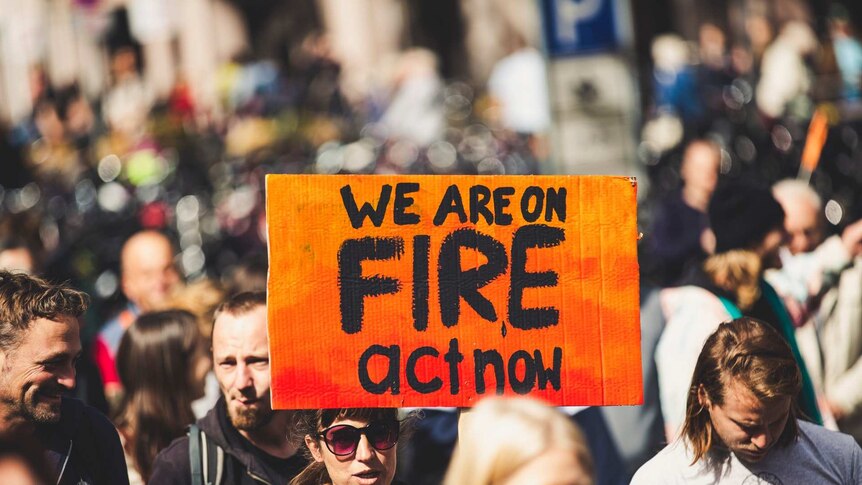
{"x":242,"y":428}
{"x":742,"y":421}
{"x":39,"y":345}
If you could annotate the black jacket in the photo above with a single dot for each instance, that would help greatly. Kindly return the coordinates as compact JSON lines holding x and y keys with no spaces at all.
{"x":244,"y":464}
{"x":83,"y":448}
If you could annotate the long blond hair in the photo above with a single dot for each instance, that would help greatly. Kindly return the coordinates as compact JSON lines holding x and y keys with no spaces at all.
{"x":501,"y":435}
{"x":737,"y":272}
{"x":747,"y":351}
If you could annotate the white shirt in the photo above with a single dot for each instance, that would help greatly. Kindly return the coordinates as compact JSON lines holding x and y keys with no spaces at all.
{"x":818,"y":456}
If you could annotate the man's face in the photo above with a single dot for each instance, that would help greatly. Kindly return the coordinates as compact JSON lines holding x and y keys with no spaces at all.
{"x":803,"y":224}
{"x":747,"y":426}
{"x":769,"y":248}
{"x":241,"y":356}
{"x":149,"y":274}
{"x":39,"y":370}
{"x":700,"y":168}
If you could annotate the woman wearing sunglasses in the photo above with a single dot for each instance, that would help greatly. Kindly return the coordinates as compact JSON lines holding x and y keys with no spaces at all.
{"x":349,"y":446}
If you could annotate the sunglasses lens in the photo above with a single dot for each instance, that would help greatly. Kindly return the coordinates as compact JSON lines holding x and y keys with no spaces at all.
{"x":342,"y":440}
{"x":383,"y":435}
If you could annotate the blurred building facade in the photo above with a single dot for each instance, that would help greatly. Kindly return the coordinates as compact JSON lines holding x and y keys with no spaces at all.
{"x":188,"y":40}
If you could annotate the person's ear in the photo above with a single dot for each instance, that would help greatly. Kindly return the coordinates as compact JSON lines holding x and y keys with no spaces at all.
{"x":702,"y":397}
{"x":314,"y":447}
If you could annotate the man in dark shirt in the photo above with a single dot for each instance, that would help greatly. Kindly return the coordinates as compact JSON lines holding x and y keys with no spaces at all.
{"x":679,"y":235}
{"x":40,"y":343}
{"x":251,"y":435}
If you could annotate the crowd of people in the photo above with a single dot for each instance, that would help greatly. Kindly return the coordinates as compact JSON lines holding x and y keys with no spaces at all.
{"x":152,"y":365}
{"x":154,"y":437}
{"x":752,"y":87}
{"x":745,"y":410}
{"x":721,"y":249}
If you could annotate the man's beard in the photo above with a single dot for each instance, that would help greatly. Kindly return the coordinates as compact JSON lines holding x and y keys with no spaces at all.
{"x":44,"y":414}
{"x":32,"y":409}
{"x":251,"y":418}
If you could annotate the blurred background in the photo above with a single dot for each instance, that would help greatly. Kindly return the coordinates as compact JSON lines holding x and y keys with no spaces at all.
{"x":117,"y":115}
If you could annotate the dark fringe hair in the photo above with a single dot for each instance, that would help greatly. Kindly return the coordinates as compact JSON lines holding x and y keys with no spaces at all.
{"x":309,"y":423}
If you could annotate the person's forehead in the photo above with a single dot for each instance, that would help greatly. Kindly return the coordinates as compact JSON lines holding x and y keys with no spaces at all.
{"x":16,"y":259}
{"x":147,"y":250}
{"x":49,"y":336}
{"x":801,"y":214}
{"x":741,"y":404}
{"x":355,"y":422}
{"x":703,"y":156}
{"x":17,"y":253}
{"x":246,"y":331}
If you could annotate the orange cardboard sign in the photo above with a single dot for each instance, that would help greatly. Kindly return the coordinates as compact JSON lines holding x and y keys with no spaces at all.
{"x":391,"y":291}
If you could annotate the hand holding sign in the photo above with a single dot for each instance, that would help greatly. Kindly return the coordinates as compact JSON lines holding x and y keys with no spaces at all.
{"x":429,"y":291}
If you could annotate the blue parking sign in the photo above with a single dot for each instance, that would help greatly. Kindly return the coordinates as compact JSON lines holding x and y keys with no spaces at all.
{"x":579,"y":26}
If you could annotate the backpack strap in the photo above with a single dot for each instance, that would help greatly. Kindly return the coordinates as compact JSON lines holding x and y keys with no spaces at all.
{"x":195,"y":455}
{"x":213,"y":461}
{"x":206,"y":458}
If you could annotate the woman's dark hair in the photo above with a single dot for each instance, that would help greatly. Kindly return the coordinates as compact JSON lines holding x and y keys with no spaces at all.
{"x":309,"y":423}
{"x":156,"y":362}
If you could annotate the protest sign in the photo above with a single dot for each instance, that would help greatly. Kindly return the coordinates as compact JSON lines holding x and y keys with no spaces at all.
{"x":391,"y":291}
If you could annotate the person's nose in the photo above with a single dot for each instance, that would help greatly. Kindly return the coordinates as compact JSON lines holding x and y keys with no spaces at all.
{"x":364,"y":451}
{"x":66,"y":377}
{"x":761,"y":439}
{"x":242,"y":377}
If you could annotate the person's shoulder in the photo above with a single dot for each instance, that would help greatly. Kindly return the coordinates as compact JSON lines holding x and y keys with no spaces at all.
{"x":668,"y":466}
{"x":177,"y":450}
{"x":820,"y":437}
{"x":79,"y":417}
{"x":171,"y":465}
{"x":92,"y":414}
{"x":96,"y":440}
{"x":836,"y":451}
{"x":673,"y":205}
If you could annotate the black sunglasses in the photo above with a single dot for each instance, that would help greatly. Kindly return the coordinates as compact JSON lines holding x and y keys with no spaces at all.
{"x":343,"y":439}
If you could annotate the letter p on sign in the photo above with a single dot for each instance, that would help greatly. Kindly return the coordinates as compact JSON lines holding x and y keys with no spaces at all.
{"x":571,"y":13}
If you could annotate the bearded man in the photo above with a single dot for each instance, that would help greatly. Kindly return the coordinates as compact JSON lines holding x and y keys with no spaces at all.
{"x":249,"y":437}
{"x":40,"y":343}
